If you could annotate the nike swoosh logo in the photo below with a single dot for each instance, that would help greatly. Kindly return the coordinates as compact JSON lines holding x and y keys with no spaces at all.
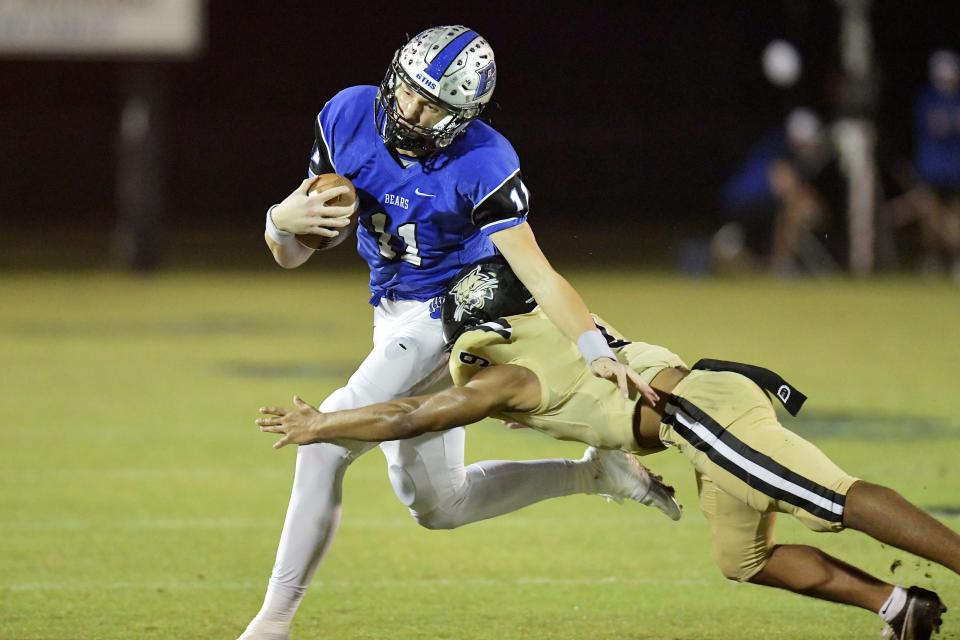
{"x":426,"y":195}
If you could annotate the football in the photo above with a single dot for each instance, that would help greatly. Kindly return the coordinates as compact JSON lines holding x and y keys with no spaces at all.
{"x":319,"y":185}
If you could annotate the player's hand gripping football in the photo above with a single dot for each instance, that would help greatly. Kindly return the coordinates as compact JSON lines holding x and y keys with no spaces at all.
{"x":296,"y":425}
{"x":301,"y":213}
{"x":623,"y":375}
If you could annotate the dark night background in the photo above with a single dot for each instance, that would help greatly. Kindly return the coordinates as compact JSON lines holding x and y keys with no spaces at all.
{"x":627,"y":117}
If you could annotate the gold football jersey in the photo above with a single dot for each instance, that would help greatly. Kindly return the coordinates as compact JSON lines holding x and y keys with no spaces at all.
{"x":574,"y":403}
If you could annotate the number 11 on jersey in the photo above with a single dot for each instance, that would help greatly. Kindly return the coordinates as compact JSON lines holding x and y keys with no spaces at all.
{"x":407,"y":241}
{"x":520,"y":203}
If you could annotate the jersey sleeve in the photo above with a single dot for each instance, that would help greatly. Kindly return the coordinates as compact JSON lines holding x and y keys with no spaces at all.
{"x":614,"y":338}
{"x":476,"y":349}
{"x":342,"y":132}
{"x":321,"y":159}
{"x":507,"y":205}
{"x":496,"y":192}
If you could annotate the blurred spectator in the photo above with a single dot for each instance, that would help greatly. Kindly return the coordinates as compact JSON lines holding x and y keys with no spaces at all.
{"x":779,"y":204}
{"x":934,"y":201}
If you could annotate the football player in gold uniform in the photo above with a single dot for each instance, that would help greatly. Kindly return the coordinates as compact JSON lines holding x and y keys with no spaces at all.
{"x":508,"y":361}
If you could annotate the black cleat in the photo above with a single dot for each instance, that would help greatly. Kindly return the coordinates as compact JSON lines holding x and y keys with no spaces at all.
{"x":920,"y":617}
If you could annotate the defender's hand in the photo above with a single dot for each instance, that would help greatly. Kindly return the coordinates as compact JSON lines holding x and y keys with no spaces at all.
{"x":620,"y":373}
{"x":296,"y":424}
{"x":302,"y":213}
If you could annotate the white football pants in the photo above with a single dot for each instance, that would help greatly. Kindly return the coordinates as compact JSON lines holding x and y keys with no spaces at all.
{"x":427,"y":472}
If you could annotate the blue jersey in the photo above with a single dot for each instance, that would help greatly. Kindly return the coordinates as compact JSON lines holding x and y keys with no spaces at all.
{"x":750,"y":185}
{"x":420,"y":220}
{"x":938,"y":138}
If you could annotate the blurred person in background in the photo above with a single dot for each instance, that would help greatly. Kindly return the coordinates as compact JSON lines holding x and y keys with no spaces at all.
{"x":437,"y":189}
{"x":933,"y":202}
{"x":782,"y":202}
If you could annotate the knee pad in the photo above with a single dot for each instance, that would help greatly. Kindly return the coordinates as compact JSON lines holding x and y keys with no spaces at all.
{"x":740,"y":567}
{"x":411,"y":482}
{"x":435,"y":520}
{"x":404,"y":366}
{"x":427,"y":472}
{"x":403,"y":484}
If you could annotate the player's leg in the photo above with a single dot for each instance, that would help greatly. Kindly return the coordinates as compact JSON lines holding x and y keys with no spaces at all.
{"x":951,"y":232}
{"x":428,"y":472}
{"x":744,"y":550}
{"x":741,"y":537}
{"x":313,"y":515}
{"x":930,"y":215}
{"x":799,"y":213}
{"x":811,"y":572}
{"x":804,"y":482}
{"x":756,"y":463}
{"x":314,"y":509}
{"x":910,"y":614}
{"x":429,"y":477}
{"x":885,"y":515}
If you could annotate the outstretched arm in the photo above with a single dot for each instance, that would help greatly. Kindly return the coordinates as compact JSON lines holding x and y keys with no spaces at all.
{"x":499,"y":388}
{"x":563,"y":305}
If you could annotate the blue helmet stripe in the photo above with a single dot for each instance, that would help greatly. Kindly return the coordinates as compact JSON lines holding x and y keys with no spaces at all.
{"x":449,"y":53}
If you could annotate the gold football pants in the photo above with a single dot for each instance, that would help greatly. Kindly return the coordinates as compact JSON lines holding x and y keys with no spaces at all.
{"x":749,"y":467}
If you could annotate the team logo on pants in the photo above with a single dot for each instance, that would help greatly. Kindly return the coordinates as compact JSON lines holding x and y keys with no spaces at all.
{"x":783,"y":392}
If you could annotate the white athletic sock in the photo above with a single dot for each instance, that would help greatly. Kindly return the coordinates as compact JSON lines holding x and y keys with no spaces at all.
{"x":273,"y":620}
{"x":894,"y":604}
{"x":281,"y":602}
{"x":586,"y":477}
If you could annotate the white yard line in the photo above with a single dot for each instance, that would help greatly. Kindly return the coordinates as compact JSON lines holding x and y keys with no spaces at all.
{"x":203,"y":585}
{"x":626,"y":515}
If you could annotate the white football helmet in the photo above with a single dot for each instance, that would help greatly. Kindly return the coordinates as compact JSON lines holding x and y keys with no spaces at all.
{"x":452,"y":66}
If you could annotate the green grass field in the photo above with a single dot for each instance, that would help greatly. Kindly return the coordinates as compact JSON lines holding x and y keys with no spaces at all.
{"x":138,"y":500}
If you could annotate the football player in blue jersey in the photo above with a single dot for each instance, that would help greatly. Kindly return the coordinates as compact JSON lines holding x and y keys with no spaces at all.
{"x":937,"y":160}
{"x":437,"y":189}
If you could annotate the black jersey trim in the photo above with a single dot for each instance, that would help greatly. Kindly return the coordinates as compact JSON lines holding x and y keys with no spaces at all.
{"x":497,"y":206}
{"x":321,"y":149}
{"x":500,"y":327}
{"x":612,"y":341}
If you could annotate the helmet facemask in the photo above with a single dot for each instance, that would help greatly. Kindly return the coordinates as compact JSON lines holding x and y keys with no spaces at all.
{"x":399,"y":133}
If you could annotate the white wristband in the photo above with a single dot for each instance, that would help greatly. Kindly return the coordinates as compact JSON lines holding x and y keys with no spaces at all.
{"x":277,"y":234}
{"x":593,"y":345}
